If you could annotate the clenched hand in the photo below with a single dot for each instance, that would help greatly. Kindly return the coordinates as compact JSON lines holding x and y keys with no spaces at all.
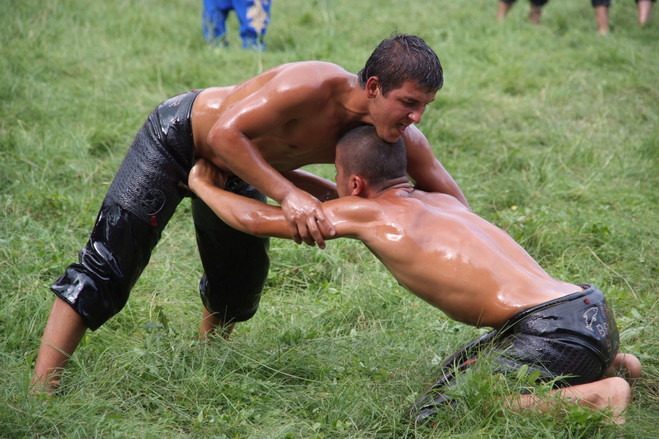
{"x":307,"y":221}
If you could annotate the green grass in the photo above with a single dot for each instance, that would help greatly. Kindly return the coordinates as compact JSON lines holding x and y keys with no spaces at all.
{"x":552,"y":132}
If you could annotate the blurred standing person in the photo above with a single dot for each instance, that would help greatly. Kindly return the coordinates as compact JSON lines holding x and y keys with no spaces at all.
{"x":644,"y":10}
{"x":534,"y":15}
{"x":253,"y":16}
{"x":601,"y":12}
{"x":602,"y":15}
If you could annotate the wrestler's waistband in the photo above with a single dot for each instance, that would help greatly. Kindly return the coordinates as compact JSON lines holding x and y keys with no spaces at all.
{"x":584,"y":317}
{"x":148,"y":182}
{"x":175,"y":119}
{"x":590,"y":294}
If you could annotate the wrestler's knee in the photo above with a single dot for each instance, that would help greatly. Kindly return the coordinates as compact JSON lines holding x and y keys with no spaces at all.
{"x":232,"y":301}
{"x":236,"y":266}
{"x":234,"y":278}
{"x":119,"y":248}
{"x":94,"y":298}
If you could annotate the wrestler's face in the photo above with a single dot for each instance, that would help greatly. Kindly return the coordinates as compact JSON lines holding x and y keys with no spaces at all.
{"x":399,"y":108}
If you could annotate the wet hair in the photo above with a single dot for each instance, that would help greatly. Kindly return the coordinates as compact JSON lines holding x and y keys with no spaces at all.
{"x":400,"y":58}
{"x":365,"y":154}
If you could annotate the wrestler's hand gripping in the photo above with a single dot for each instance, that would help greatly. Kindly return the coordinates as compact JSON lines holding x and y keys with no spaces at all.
{"x":307,"y":220}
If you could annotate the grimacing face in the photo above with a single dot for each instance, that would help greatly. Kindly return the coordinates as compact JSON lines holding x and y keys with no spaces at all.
{"x":400,"y":108}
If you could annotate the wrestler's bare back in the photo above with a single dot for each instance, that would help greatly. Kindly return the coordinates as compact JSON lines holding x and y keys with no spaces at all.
{"x":288,"y":136}
{"x":453,"y":259}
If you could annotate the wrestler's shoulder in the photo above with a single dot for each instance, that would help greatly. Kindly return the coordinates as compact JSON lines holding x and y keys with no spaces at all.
{"x":318,"y":76}
{"x":310,"y":78}
{"x":311,"y":71}
{"x":321,"y":66}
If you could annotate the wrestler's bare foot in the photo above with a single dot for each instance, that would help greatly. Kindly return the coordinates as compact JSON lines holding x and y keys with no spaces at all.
{"x":627,"y":366}
{"x":44,"y":386}
{"x":618,"y":398}
{"x":210,"y":324}
{"x":613,"y":394}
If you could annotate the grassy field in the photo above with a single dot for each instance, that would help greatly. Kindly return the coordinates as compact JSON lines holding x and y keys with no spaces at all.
{"x":551,"y":131}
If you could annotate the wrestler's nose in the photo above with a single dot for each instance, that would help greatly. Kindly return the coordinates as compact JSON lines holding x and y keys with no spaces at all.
{"x":415,"y":116}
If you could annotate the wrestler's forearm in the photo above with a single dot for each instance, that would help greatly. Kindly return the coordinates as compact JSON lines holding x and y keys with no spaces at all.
{"x":242,"y":157}
{"x":306,"y":220}
{"x":242,"y":213}
{"x":319,"y":187}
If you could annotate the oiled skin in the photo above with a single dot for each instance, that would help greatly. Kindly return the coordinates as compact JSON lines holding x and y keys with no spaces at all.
{"x":432,"y":244}
{"x":293,"y":115}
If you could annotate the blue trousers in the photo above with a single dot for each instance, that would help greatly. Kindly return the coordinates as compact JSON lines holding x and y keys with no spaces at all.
{"x":253,"y":16}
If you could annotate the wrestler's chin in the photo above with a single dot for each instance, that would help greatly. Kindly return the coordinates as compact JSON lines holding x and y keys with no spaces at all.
{"x":392,"y":136}
{"x":389,"y":134}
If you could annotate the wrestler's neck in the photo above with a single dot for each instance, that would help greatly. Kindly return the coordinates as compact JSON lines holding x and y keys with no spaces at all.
{"x":391,"y":187}
{"x":356,"y":103}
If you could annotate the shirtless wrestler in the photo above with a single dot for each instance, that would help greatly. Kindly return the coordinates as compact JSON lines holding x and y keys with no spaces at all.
{"x":470,"y":269}
{"x":257,"y":131}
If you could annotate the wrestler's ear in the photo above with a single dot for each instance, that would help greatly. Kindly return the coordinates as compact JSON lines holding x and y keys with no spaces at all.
{"x":357,"y":185}
{"x":372,"y":86}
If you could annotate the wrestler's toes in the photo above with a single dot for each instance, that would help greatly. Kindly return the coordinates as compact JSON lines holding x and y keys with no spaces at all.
{"x":619,"y":399}
{"x":633,"y":366}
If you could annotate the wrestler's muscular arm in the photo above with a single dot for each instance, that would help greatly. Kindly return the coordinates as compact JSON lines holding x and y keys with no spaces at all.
{"x":319,"y":187}
{"x":425,"y":169}
{"x":261,"y":219}
{"x":266,"y":113}
{"x":242,"y":213}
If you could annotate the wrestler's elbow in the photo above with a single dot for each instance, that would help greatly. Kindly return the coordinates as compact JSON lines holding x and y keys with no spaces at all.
{"x":221,"y":138}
